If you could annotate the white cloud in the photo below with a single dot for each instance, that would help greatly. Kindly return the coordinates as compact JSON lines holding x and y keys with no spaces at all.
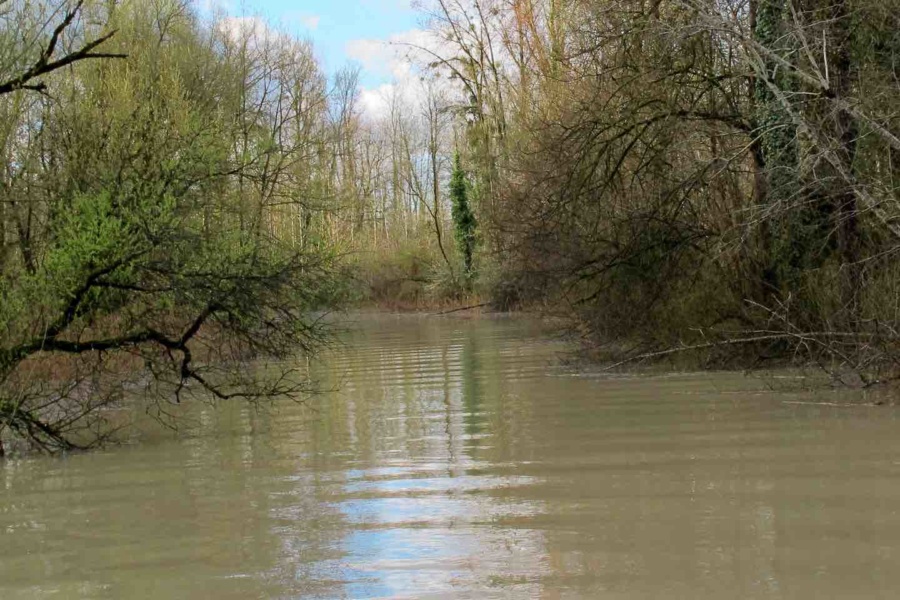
{"x":397,"y":55}
{"x":401,"y":58}
{"x":255,"y":30}
{"x":311,"y":22}
{"x":238,"y":28}
{"x":375,"y":103}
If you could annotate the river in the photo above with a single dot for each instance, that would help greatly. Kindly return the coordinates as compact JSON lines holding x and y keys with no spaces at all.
{"x":458,"y":457}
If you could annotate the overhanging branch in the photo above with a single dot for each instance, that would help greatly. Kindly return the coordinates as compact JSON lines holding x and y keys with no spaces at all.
{"x":44,"y":65}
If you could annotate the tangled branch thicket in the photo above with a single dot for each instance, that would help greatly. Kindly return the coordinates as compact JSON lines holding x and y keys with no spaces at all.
{"x":720,"y":177}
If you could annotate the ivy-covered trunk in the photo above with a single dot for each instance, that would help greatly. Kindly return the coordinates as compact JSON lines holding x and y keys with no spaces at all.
{"x":464,"y":223}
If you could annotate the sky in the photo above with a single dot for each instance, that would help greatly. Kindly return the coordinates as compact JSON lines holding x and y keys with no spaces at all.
{"x":369,"y":33}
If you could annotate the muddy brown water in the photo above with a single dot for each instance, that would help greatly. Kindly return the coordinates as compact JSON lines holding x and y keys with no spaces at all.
{"x":459,"y":459}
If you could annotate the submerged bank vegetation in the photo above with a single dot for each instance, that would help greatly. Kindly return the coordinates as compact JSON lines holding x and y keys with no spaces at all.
{"x":181,"y":191}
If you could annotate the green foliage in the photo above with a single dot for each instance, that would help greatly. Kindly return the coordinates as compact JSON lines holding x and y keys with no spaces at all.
{"x":146,"y":246}
{"x":405,"y":273}
{"x":395,"y":275}
{"x":464,"y":224}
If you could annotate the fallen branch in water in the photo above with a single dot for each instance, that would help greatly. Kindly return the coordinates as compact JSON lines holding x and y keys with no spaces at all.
{"x":763,"y":337}
{"x":453,"y":310}
{"x":877,"y":403}
{"x":704,"y":346}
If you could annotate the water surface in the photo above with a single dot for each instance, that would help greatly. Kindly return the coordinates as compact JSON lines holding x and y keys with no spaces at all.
{"x":458,"y":459}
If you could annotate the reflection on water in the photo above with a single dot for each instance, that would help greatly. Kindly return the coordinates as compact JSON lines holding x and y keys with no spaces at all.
{"x":455,"y":460}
